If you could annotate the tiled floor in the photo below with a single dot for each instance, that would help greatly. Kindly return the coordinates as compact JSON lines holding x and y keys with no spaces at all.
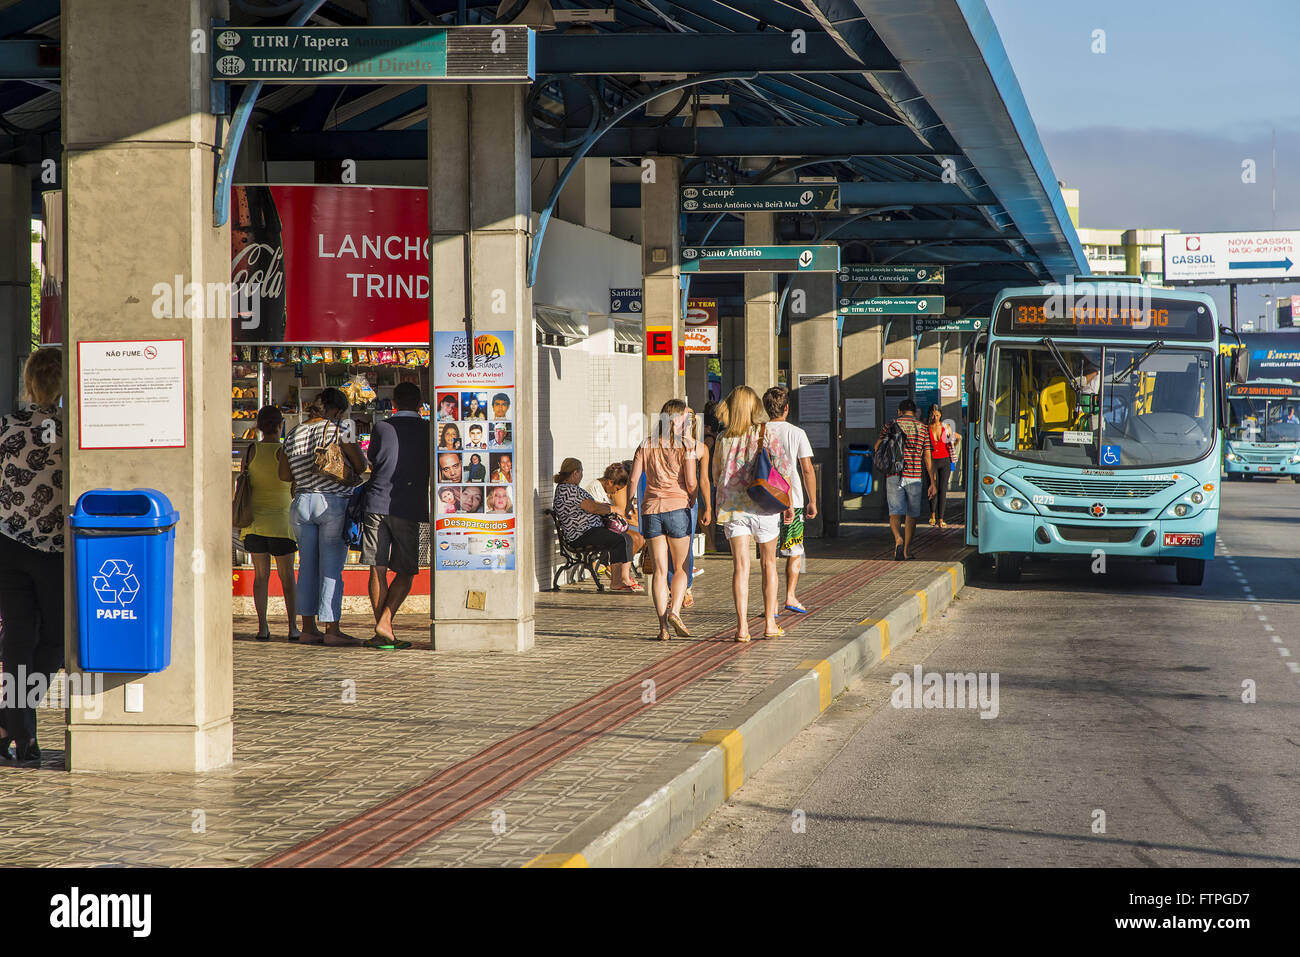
{"x":308,"y":760}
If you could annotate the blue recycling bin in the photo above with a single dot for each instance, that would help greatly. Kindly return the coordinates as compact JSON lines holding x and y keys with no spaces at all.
{"x":858,"y":469}
{"x":123,"y":545}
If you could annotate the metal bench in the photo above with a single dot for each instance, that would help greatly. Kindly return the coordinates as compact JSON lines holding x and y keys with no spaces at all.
{"x":575,"y":556}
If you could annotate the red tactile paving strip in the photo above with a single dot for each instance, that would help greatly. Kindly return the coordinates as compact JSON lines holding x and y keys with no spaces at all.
{"x":389,"y":830}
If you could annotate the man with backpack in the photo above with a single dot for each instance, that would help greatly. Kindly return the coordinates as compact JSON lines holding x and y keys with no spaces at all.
{"x":902,"y":451}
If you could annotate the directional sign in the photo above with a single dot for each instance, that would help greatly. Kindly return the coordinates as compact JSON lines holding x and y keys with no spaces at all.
{"x":761,"y":258}
{"x":796,"y":197}
{"x":658,"y":343}
{"x":624,"y":301}
{"x":865,"y":272}
{"x":486,"y":54}
{"x":925,"y":388}
{"x":893,"y":306}
{"x":964,"y":324}
{"x":1231,"y":257}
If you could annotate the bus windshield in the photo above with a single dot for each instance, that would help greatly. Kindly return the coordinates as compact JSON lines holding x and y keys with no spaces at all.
{"x":1264,"y":420}
{"x":1139,"y":405}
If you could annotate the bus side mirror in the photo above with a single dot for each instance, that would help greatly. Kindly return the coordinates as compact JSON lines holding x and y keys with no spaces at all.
{"x":1240,"y":366}
{"x":974,"y":382}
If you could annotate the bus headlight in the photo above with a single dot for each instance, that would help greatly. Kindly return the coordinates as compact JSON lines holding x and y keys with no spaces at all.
{"x":1180,"y":510}
{"x":1231,"y":457}
{"x":1016,"y":504}
{"x":999,"y":490}
{"x":1295,"y":458}
{"x":1197,"y":498}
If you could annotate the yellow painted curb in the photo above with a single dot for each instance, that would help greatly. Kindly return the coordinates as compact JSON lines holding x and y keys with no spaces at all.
{"x":882,"y":627}
{"x":925,"y":606}
{"x":557,"y":860}
{"x":823,"y":669}
{"x":952,"y":570}
{"x":732,"y":744}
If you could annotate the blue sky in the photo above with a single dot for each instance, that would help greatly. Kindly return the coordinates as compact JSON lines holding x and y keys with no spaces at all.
{"x":1154,"y":131}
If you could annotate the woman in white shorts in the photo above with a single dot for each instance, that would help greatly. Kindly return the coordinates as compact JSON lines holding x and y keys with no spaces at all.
{"x":742,"y":418}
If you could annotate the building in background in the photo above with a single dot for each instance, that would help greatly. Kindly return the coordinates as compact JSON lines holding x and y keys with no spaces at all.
{"x":1130,"y":252}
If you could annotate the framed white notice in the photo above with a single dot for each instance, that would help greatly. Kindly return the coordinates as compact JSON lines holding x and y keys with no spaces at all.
{"x":131,"y":393}
{"x":859,"y":413}
{"x":814,"y":395}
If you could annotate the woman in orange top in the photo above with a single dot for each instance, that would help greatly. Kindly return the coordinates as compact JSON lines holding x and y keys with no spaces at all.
{"x":668,"y":460}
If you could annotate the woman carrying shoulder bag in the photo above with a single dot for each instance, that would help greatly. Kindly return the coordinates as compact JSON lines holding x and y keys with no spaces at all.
{"x":734,"y":460}
{"x":317,"y":456}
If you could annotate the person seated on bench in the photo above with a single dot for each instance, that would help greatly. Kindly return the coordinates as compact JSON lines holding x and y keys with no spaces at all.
{"x":579,"y":517}
{"x":611,"y":489}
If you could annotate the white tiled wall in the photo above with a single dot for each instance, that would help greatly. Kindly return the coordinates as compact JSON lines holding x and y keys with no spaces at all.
{"x":577,"y":388}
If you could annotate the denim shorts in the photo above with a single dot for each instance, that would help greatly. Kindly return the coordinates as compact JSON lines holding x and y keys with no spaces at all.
{"x":903,"y":499}
{"x":674,"y":524}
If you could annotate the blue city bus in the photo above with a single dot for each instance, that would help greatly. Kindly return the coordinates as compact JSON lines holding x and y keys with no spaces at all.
{"x":1263,"y":430}
{"x":1095,"y":424}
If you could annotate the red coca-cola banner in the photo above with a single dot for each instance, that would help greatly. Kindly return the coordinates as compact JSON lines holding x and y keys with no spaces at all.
{"x":324,"y":264}
{"x":333,"y":263}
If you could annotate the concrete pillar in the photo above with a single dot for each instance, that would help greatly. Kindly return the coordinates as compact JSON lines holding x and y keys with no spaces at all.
{"x":760,"y":308}
{"x":138,"y":200}
{"x":814,"y":351}
{"x":861,"y":376}
{"x":15,"y":280}
{"x":697,"y":381}
{"x":661,"y":295}
{"x":585,"y":200}
{"x":479,"y":158}
{"x":927,"y":357}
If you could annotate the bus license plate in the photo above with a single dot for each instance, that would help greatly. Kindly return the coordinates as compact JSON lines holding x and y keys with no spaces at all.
{"x":1182,"y":538}
{"x":1265,"y":468}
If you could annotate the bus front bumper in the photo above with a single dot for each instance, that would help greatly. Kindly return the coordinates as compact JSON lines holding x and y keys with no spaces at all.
{"x":1035,"y":534}
{"x":1238,"y":467}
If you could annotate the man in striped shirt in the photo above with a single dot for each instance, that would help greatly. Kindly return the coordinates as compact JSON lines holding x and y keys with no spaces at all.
{"x":903,"y":492}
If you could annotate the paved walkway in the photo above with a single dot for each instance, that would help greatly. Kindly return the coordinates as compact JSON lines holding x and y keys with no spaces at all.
{"x":349,"y":756}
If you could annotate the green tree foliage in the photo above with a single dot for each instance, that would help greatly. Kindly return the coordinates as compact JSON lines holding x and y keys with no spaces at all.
{"x":36,"y":305}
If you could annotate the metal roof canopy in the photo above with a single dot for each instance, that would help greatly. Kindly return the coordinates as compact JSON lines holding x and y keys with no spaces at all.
{"x":899,"y":86}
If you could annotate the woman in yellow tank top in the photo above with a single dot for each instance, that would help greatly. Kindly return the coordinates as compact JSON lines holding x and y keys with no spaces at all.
{"x":270,"y":535}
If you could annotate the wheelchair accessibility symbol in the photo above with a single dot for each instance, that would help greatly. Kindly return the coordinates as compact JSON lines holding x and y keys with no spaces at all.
{"x":1110,"y":455}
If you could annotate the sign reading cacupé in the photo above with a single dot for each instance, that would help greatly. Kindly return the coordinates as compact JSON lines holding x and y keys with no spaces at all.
{"x":474,"y":525}
{"x":1269,"y":255}
{"x":792,"y":197}
{"x":131,"y":394}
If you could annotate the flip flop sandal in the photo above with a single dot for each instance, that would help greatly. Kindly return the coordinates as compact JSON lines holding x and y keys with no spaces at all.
{"x":744,"y":639}
{"x":779,"y":633}
{"x":798,"y":609}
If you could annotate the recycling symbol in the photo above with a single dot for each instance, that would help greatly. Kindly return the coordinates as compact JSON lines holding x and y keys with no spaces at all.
{"x":115,"y":584}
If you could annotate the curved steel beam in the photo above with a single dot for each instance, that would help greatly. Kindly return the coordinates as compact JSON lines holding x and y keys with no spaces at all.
{"x":239,"y":123}
{"x":534,"y":254}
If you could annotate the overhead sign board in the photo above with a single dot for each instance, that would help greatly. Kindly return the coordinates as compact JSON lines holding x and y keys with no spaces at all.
{"x":625,"y":301}
{"x":865,"y":272}
{"x":796,"y":197}
{"x":893,"y":306}
{"x":939,"y":324}
{"x":480,"y":54}
{"x":761,"y":258}
{"x":1264,"y":256}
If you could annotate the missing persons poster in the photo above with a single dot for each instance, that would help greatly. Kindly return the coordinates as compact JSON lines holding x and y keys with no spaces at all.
{"x":474,"y":521}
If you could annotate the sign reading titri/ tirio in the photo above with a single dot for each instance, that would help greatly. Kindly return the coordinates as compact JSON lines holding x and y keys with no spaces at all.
{"x":893,"y":306}
{"x":865,"y":272}
{"x":487,"y":54}
{"x":795,"y":197}
{"x":761,"y":258}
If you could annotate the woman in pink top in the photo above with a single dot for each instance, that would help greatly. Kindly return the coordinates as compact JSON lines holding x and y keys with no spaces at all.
{"x":941,"y":439}
{"x":668,"y":460}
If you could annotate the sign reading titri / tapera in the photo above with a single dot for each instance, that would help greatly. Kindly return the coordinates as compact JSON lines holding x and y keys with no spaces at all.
{"x":486,"y":54}
{"x":761,"y":258}
{"x":793,"y":197}
{"x":893,"y":306}
{"x":895,"y":272}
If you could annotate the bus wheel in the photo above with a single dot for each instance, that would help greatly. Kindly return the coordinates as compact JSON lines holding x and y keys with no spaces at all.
{"x":1191,"y":571}
{"x":1008,"y":565}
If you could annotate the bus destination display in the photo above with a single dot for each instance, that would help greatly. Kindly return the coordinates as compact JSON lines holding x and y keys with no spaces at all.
{"x":1126,"y":318}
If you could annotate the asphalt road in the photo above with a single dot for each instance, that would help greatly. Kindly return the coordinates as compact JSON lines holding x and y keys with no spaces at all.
{"x":1119,"y":695}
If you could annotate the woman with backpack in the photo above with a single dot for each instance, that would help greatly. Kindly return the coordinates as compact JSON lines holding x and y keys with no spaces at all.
{"x":736,"y":454}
